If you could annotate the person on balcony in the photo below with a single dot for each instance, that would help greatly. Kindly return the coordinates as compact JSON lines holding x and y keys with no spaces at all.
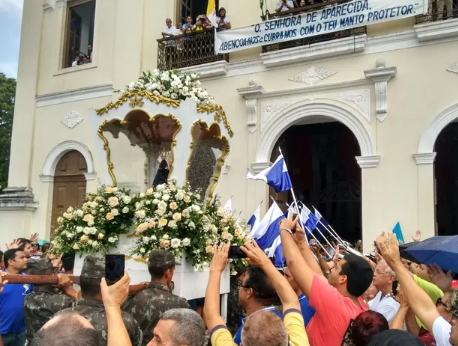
{"x":169,"y":30}
{"x":188,"y":26}
{"x":222,"y":20}
{"x":284,"y":5}
{"x":199,"y":25}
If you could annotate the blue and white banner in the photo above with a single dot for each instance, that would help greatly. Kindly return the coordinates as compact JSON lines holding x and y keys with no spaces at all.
{"x":332,"y":18}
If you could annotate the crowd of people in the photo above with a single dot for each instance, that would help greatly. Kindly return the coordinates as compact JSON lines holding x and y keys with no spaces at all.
{"x":350,"y":300}
{"x":83,"y":59}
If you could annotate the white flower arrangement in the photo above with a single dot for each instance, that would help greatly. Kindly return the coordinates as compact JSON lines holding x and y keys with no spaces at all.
{"x":171,"y":84}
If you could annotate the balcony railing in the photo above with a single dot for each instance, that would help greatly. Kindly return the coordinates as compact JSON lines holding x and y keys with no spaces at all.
{"x":188,"y":50}
{"x":439,"y":10}
{"x":312,"y":39}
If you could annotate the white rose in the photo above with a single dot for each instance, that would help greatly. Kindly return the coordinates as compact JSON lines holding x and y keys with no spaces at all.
{"x":86,"y":230}
{"x":79,"y":229}
{"x":177,"y":216}
{"x":76,"y":247}
{"x":89,"y":242}
{"x":179,"y":196}
{"x":192,"y":225}
{"x":175,"y":243}
{"x":172,"y":224}
{"x":127,"y":199}
{"x":80,"y":213}
{"x":140,"y":214}
{"x":112,"y":240}
{"x":166,"y":197}
{"x":125,"y":210}
{"x":93,"y":230}
{"x":148,"y":202}
{"x":149,"y":192}
{"x":94,"y":212}
{"x":155,"y":201}
{"x":186,"y":242}
{"x":142,"y":250}
{"x":166,"y":236}
{"x":195,"y":208}
{"x":115,"y":212}
{"x":95,"y":244}
{"x":70,"y":235}
{"x":162,"y":205}
{"x":154,"y":238}
{"x":94,"y":205}
{"x":146,"y":239}
{"x":142,"y":195}
{"x":131,"y":85}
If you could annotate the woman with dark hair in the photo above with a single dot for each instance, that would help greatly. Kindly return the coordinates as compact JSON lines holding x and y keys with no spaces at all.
{"x":222,"y":20}
{"x":365,"y":326}
{"x":395,"y":338}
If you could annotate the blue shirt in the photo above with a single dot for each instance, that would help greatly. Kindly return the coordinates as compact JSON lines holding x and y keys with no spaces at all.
{"x":12,"y":308}
{"x":306,"y":309}
{"x":238,"y":335}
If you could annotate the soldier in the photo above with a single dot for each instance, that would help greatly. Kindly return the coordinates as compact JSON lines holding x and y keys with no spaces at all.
{"x":148,"y":305}
{"x":91,"y":306}
{"x":41,"y":305}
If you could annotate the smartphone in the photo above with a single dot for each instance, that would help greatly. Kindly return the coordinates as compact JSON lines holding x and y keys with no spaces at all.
{"x":394,"y":287}
{"x":114,"y":268}
{"x":294,"y":218}
{"x":235,"y":252}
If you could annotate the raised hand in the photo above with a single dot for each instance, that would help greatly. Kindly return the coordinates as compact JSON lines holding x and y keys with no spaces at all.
{"x":289,"y":223}
{"x":299,"y":235}
{"x":116,"y":294}
{"x":64,"y":282}
{"x":220,"y":257}
{"x":3,"y":280}
{"x":34,"y":238}
{"x":401,"y":298}
{"x":256,"y":257}
{"x":439,"y":278}
{"x":389,"y":249}
{"x":417,"y":236}
{"x":15,"y":244}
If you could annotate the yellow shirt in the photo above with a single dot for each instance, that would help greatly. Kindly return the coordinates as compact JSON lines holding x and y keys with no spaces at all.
{"x":432,"y":290}
{"x":197,"y":28}
{"x":294,"y":323}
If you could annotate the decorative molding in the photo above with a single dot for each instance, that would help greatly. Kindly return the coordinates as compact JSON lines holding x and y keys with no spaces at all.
{"x":338,"y":47}
{"x":437,"y":30}
{"x":272,"y":132}
{"x":47,"y":8}
{"x":453,"y":68}
{"x":61,"y":3}
{"x":435,"y":127}
{"x":74,"y":95}
{"x":213,"y":69}
{"x":313,"y":75}
{"x":258,"y":167}
{"x":360,"y":100}
{"x":49,"y":167}
{"x":251,"y":94}
{"x":368,"y":161}
{"x":380,"y":76}
{"x":90,"y":176}
{"x":72,"y":119}
{"x":17,"y":198}
{"x":425,"y":158}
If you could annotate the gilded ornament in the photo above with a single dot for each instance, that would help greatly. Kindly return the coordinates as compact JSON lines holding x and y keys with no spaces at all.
{"x":219,"y":115}
{"x":136,"y":102}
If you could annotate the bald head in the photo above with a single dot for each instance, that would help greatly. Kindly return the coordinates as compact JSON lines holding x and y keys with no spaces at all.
{"x":68,"y":328}
{"x":264,"y":328}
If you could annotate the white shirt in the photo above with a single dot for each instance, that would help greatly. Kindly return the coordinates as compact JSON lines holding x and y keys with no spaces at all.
{"x":74,"y":63}
{"x":226,"y":20}
{"x":441,"y":332}
{"x":170,"y":30}
{"x":386,"y":306}
{"x":284,"y":8}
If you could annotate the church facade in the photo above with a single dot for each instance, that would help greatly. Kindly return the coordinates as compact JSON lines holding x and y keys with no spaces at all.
{"x":365,"y":118}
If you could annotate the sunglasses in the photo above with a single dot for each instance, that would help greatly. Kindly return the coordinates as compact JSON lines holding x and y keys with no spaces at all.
{"x":440,"y":302}
{"x":240,"y":285}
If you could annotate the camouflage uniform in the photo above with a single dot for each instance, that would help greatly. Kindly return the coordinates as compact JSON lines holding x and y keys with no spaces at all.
{"x":148,"y":305}
{"x":41,"y":305}
{"x":94,"y":311}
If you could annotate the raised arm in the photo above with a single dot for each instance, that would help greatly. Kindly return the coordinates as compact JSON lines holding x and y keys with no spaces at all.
{"x":302,"y":244}
{"x":257,"y":257}
{"x":113,"y":297}
{"x":418,"y":300}
{"x":212,"y":316}
{"x":299,"y":267}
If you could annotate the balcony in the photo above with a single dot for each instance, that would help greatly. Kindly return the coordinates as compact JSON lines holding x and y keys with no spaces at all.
{"x":438,"y":11}
{"x":187,"y":50}
{"x":313,"y":39}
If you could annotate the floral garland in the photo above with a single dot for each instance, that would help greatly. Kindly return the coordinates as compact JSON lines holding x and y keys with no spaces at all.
{"x":97,"y":224}
{"x":171,"y":84}
{"x":175,"y":219}
{"x":164,"y":217}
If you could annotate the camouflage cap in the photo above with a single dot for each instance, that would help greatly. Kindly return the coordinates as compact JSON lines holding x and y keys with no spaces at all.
{"x":39,"y":266}
{"x":161,"y":259}
{"x":93,"y":267}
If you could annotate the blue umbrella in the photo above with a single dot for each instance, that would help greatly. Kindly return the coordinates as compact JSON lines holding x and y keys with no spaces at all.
{"x":440,"y":250}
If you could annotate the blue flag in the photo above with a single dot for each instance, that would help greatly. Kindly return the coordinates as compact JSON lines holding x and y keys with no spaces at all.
{"x":276,"y":175}
{"x":398,"y":231}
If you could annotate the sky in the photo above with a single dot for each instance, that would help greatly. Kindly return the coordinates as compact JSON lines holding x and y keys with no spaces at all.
{"x":10,"y":35}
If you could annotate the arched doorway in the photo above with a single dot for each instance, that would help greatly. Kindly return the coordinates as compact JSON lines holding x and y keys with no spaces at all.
{"x":324,"y":172}
{"x":69,"y":184}
{"x":446,"y":180}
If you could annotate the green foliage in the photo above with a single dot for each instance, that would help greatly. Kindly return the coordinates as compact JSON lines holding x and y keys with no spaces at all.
{"x":7,"y":98}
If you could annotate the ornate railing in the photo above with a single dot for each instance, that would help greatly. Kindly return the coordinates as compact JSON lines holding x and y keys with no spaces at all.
{"x":188,"y":50}
{"x":439,"y":10}
{"x":312,"y":39}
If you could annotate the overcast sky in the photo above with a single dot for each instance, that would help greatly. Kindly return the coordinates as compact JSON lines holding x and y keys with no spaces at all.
{"x":10,"y":34}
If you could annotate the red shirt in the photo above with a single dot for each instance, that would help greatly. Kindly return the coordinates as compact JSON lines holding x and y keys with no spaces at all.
{"x":333,"y":314}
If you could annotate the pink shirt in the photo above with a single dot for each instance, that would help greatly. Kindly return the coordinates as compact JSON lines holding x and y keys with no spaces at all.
{"x":333,"y":314}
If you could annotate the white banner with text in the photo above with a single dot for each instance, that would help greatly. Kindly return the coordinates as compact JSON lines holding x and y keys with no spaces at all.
{"x":330,"y":19}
